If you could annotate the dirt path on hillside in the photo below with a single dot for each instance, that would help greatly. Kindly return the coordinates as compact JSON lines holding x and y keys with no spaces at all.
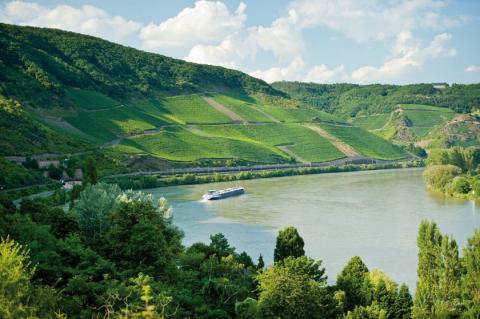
{"x":62,"y":124}
{"x":195,"y":130}
{"x":103,"y":109}
{"x":219,"y":107}
{"x":285,"y":149}
{"x":341,"y":146}
{"x":271,"y":118}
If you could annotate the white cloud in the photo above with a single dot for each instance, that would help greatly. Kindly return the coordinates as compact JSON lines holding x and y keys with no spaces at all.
{"x":85,"y":19}
{"x":290,"y":72}
{"x":409,"y":55}
{"x":208,"y":32}
{"x":297,"y":70}
{"x":228,"y":53}
{"x":472,"y":69}
{"x":364,"y":20}
{"x":322,"y":74}
{"x":206,"y":22}
{"x":283,"y":38}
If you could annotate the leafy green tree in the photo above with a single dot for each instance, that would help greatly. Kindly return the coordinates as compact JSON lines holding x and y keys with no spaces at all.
{"x":245,"y":259}
{"x":354,"y":281}
{"x":15,"y":275}
{"x":90,"y":172}
{"x":367,"y":312}
{"x":438,"y":177}
{"x":472,"y":158}
{"x":61,"y":223}
{"x":471,"y":278}
{"x":295,"y":288}
{"x":438,"y":156}
{"x":260,"y":263}
{"x":18,"y":297}
{"x":220,"y":246}
{"x":289,"y":243}
{"x":460,"y":185}
{"x":456,"y":157}
{"x":54,"y":172}
{"x":403,"y":304}
{"x":30,"y":163}
{"x":247,"y":309}
{"x":476,"y":186}
{"x":439,"y":271}
{"x":139,"y":239}
{"x":92,"y":208}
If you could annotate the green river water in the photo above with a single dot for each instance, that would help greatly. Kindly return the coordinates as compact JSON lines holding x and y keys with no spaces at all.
{"x":372,"y":214}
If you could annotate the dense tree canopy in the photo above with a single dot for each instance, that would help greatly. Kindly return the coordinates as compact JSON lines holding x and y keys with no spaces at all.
{"x":137,"y":268}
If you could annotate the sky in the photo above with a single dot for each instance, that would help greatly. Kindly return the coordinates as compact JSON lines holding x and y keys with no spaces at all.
{"x":321,"y":41}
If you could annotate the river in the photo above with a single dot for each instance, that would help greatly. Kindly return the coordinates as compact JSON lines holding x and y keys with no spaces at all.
{"x":373,"y":214}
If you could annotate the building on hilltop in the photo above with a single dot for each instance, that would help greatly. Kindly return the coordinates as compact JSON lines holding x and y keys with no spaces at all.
{"x":440,"y":86}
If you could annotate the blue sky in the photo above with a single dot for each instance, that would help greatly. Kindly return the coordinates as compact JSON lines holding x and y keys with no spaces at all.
{"x":323,"y":41}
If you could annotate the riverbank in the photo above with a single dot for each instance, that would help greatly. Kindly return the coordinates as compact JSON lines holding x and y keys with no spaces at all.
{"x":161,"y":180}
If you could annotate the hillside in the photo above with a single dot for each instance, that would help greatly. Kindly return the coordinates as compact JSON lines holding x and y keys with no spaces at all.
{"x":66,"y":93}
{"x":38,"y":66}
{"x":351,"y":100}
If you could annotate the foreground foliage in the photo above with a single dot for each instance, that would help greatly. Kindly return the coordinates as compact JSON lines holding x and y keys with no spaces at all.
{"x":117,"y":255}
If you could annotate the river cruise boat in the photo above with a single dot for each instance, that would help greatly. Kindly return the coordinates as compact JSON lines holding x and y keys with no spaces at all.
{"x":223,"y":193}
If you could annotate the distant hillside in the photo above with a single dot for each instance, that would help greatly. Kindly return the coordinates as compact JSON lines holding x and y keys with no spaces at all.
{"x":351,"y":100}
{"x":62,"y":92}
{"x":38,"y":66}
{"x":462,"y":130}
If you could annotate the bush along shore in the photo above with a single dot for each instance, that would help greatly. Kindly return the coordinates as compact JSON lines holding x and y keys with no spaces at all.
{"x":454,"y":172}
{"x":153,"y":181}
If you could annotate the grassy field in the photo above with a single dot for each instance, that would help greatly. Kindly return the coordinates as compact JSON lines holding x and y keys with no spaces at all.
{"x":189,"y":109}
{"x":299,"y":139}
{"x":211,"y":134}
{"x":372,"y":122}
{"x":240,"y":107}
{"x":365,"y":142}
{"x":104,"y":125}
{"x":91,"y":100}
{"x":425,"y":117}
{"x":178,"y":144}
{"x":298,"y":114}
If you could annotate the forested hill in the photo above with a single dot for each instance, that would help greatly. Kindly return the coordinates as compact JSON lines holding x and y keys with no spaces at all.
{"x":350,"y":100}
{"x":37,"y":65}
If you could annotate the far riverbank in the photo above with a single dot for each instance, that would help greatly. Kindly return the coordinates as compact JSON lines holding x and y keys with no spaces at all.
{"x":145,"y":180}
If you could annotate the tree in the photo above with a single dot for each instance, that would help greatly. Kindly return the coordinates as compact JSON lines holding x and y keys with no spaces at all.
{"x":90,"y":172}
{"x":260,"y":263}
{"x":247,"y":309}
{"x":367,"y":312}
{"x":460,"y":185}
{"x":439,"y":270}
{"x":403,"y":304}
{"x":140,"y":239}
{"x":438,"y":156}
{"x":61,"y":223}
{"x":289,"y":243}
{"x":438,"y":177}
{"x":354,"y":281}
{"x":92,"y":208}
{"x":220,"y":246}
{"x":245,"y":260}
{"x":18,"y":297}
{"x":476,"y":187}
{"x":470,"y":280}
{"x":30,"y":163}
{"x":472,"y":158}
{"x":54,"y":172}
{"x":455,"y":157}
{"x":294,"y":288}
